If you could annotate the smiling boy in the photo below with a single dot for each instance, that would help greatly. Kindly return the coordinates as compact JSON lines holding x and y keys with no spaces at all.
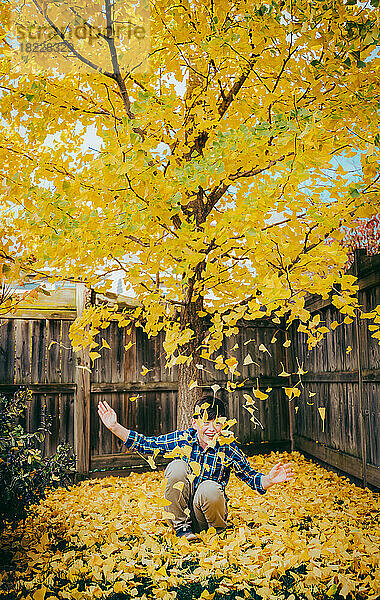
{"x":199,"y":473}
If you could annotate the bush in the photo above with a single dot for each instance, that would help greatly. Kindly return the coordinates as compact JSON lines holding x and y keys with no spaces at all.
{"x":25,"y":474}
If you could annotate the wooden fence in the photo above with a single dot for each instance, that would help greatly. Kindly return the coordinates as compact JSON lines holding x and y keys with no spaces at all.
{"x":35,"y":351}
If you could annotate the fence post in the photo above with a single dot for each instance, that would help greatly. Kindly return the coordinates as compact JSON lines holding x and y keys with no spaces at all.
{"x":362,"y":418}
{"x":82,"y":395}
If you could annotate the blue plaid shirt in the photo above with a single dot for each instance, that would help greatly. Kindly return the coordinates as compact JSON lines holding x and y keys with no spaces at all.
{"x":214,"y":463}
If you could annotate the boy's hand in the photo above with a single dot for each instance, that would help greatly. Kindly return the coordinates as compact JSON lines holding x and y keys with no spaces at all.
{"x":280,"y":473}
{"x":107,"y":415}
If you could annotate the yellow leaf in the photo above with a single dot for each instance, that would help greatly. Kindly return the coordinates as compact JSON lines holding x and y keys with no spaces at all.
{"x":283,"y":372}
{"x":105,"y":344}
{"x":40,"y":593}
{"x":195,"y":467}
{"x":348,"y":349}
{"x":129,"y":345}
{"x":179,"y":485}
{"x":145,"y":370}
{"x":192,"y":385}
{"x":94,"y":355}
{"x":287,"y":343}
{"x":334,"y":325}
{"x":262,"y":348}
{"x":273,"y":340}
{"x":134,"y":398}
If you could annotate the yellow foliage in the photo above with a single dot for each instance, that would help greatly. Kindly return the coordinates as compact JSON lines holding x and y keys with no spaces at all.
{"x":108,"y":535}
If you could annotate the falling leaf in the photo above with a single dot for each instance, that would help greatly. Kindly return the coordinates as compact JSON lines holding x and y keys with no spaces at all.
{"x":105,"y":344}
{"x":322,"y":412}
{"x":145,"y":370}
{"x":311,"y":394}
{"x":296,"y":409}
{"x":192,"y":385}
{"x":52,"y":344}
{"x":129,"y":345}
{"x":248,"y":361}
{"x":134,"y":398}
{"x":269,"y":389}
{"x":287,"y":343}
{"x":334,"y":325}
{"x":273,"y":340}
{"x":215,"y":388}
{"x":348,"y":349}
{"x":262,"y":348}
{"x":283,"y":372}
{"x":94,"y":355}
{"x":248,"y":341}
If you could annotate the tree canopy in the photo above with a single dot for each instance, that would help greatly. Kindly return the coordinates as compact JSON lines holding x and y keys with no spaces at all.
{"x":221,"y":185}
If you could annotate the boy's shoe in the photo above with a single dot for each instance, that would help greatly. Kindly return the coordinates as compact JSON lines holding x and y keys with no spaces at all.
{"x":184,"y":531}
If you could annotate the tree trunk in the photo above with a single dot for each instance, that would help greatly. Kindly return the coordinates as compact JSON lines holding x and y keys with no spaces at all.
{"x":188,"y":373}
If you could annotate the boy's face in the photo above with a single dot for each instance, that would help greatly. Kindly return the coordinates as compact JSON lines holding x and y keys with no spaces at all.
{"x":207,"y":431}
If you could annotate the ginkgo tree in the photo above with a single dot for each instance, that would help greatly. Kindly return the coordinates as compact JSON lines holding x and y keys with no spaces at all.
{"x":220,"y":174}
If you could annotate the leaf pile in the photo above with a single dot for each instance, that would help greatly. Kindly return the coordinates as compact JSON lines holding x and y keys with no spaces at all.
{"x":314,"y":537}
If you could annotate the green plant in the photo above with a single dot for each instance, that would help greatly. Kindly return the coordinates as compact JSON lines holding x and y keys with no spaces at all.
{"x":25,"y":474}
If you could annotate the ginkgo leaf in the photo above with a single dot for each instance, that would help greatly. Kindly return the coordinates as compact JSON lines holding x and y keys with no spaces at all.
{"x":283,"y":372}
{"x":129,"y":345}
{"x":215,"y":388}
{"x":249,"y":361}
{"x":287,"y":343}
{"x":322,"y":413}
{"x":134,"y":398}
{"x":192,"y":385}
{"x":105,"y":344}
{"x":248,"y":341}
{"x":262,"y":348}
{"x":334,"y":325}
{"x":195,"y":467}
{"x":296,"y":408}
{"x":348,"y":349}
{"x":40,"y":593}
{"x":178,"y":485}
{"x":273,"y":340}
{"x":311,"y":394}
{"x":94,"y":355}
{"x":145,"y":370}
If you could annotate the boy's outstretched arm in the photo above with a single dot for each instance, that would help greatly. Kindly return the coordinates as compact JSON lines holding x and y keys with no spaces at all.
{"x":109,"y":419}
{"x":278,"y":474}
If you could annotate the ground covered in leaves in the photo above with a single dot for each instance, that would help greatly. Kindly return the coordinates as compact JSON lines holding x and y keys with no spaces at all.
{"x":314,"y":537}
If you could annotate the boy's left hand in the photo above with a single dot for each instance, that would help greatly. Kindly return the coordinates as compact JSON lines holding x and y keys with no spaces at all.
{"x":280,"y":473}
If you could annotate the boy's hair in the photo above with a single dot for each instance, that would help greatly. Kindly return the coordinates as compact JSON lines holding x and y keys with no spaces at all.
{"x":216,"y":408}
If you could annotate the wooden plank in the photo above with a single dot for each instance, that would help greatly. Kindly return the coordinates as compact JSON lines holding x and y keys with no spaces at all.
{"x":67,"y":355}
{"x":82,"y":423}
{"x":53,"y":351}
{"x":340,"y":460}
{"x":38,"y":360}
{"x":22,"y":362}
{"x":66,"y":419}
{"x":7,"y":350}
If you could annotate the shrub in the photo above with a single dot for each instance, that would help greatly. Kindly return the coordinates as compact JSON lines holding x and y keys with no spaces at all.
{"x":25,"y":474}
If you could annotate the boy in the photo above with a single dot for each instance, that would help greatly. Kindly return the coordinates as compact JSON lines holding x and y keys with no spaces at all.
{"x":199,"y":473}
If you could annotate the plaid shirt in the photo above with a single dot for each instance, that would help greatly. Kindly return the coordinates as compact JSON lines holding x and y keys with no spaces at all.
{"x":214,"y":463}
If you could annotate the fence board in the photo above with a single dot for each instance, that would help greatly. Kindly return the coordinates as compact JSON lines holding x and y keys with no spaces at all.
{"x":38,"y":366}
{"x":22,"y":362}
{"x":7,"y":350}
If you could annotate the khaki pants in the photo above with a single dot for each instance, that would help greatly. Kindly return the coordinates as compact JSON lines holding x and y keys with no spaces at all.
{"x":207,"y":506}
